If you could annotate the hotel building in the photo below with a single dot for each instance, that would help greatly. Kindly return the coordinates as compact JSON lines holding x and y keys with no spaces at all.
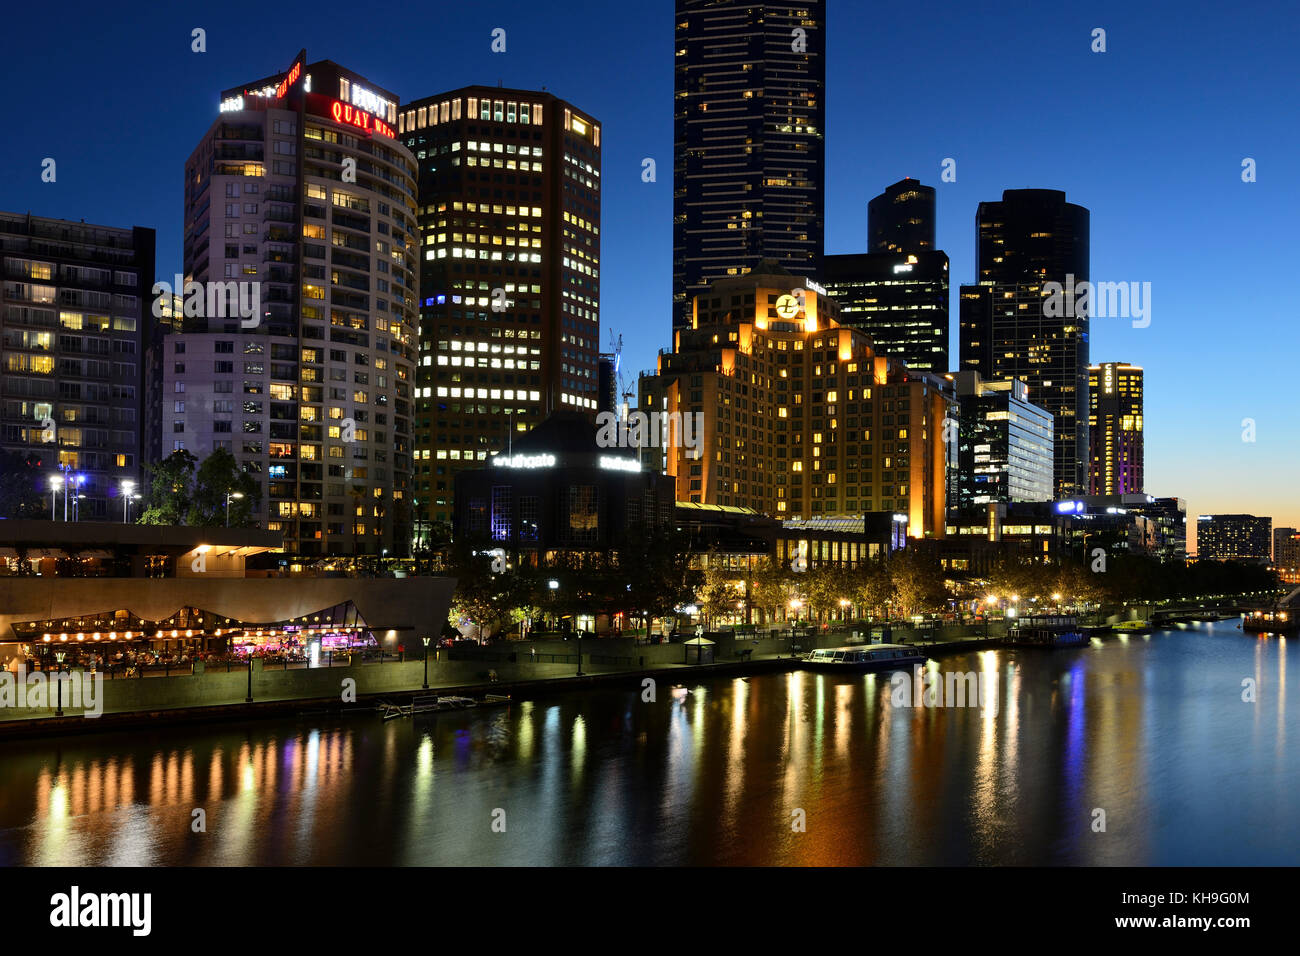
{"x":1115,"y":427}
{"x":72,"y":327}
{"x":509,"y":221}
{"x":793,"y":414}
{"x":301,"y":193}
{"x":749,"y":126}
{"x":1007,"y":330}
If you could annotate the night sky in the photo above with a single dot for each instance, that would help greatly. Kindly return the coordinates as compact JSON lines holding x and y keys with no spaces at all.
{"x":1150,"y":136}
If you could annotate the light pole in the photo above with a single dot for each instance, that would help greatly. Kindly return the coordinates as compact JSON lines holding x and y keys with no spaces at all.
{"x":76,"y":503}
{"x":128,"y":488}
{"x":229,"y":495}
{"x":58,"y":679}
{"x":425,"y":642}
{"x":56,"y":481}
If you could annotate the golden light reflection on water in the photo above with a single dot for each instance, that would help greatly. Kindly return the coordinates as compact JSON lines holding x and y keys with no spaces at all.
{"x":1154,"y":731}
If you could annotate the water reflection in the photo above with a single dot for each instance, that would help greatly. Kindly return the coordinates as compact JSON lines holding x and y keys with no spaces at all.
{"x":1155,"y":733}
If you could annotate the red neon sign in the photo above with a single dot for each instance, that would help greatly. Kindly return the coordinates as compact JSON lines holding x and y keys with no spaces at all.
{"x":290,"y":78}
{"x":349,"y":115}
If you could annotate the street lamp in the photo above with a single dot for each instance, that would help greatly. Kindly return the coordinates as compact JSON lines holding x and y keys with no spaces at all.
{"x":128,"y":489}
{"x":56,"y":482}
{"x":58,"y":679}
{"x":425,"y":642}
{"x":229,"y":495}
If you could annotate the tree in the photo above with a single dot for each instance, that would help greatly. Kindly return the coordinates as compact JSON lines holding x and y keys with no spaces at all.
{"x":218,"y":476}
{"x":918,"y":582}
{"x":169,"y":497}
{"x":871,"y":586}
{"x":655,"y":573}
{"x":20,"y":486}
{"x":719,"y":595}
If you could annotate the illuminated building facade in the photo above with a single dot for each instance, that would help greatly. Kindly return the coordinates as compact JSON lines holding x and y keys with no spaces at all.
{"x":301,"y":192}
{"x":1004,"y":444}
{"x":899,"y":300}
{"x":788,"y":413}
{"x":1115,"y":425}
{"x":1234,"y":537}
{"x":509,"y":276}
{"x":749,"y":122}
{"x":1007,"y":327}
{"x":73,"y":317}
{"x":1286,"y":554}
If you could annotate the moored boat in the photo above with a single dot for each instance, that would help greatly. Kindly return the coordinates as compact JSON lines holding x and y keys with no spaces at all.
{"x":864,"y":657}
{"x":1046,"y":631}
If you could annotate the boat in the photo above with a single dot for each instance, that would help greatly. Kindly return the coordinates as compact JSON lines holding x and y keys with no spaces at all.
{"x":433,"y":704}
{"x":1280,"y":618}
{"x":1046,"y":631}
{"x":1132,"y":627}
{"x":860,"y":657}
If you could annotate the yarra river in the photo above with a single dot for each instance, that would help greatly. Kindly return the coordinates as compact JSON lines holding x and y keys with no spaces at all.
{"x":1146,"y":736}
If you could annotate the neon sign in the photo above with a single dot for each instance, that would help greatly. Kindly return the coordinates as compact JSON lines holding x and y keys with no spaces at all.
{"x":349,"y":115}
{"x":290,"y":78}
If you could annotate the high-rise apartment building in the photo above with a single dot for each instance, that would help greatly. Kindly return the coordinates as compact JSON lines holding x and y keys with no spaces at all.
{"x":1234,"y":537}
{"x":1004,"y":444}
{"x":749,"y":121}
{"x":1013,"y":324}
{"x":901,"y":219}
{"x":783,"y":410}
{"x":509,"y":210}
{"x":301,"y":200}
{"x":1115,"y":429}
{"x":72,"y":329}
{"x":1286,"y":554}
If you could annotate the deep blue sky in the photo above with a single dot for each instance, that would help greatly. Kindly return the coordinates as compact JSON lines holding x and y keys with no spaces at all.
{"x":1149,"y":135}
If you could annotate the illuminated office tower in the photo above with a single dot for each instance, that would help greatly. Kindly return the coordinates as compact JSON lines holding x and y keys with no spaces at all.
{"x":1234,"y":537}
{"x":301,"y":190}
{"x":73,"y":317}
{"x":749,"y":123}
{"x":901,"y":219}
{"x":1010,"y":329}
{"x":509,"y":215}
{"x":1115,"y":426}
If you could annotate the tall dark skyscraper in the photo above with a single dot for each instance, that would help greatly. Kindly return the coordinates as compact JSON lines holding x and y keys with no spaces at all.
{"x":1115,"y":426}
{"x":749,"y":118}
{"x":1013,"y":327}
{"x":897,"y":291}
{"x":901,"y":219}
{"x":509,"y":210}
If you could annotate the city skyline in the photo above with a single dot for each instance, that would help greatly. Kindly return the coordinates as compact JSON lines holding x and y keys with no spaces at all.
{"x":1136,"y":186}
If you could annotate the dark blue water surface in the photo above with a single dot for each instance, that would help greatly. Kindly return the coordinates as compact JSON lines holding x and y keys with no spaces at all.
{"x":1151,"y":731}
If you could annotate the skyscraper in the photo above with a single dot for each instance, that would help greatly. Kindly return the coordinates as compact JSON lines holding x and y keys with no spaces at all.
{"x":749,"y":113}
{"x":1013,"y":326}
{"x":509,"y":206}
{"x":897,"y":292}
{"x":1115,"y":428}
{"x":300,"y":193}
{"x":1234,"y":537}
{"x":73,"y":316}
{"x":901,"y":219}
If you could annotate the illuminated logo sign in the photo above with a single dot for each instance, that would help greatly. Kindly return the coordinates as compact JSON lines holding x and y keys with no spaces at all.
{"x":524,"y":461}
{"x":368,"y":101}
{"x":232,"y":104}
{"x":902,"y":267}
{"x":1069,"y":507}
{"x":349,"y":115}
{"x":787,"y":307}
{"x":289,"y":80}
{"x":619,"y":464}
{"x":813,"y":286}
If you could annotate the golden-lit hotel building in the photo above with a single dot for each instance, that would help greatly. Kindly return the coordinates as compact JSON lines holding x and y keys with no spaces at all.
{"x":798,"y":417}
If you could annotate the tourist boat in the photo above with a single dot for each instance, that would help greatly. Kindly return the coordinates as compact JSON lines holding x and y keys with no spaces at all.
{"x":1046,"y":631}
{"x":433,"y":704}
{"x":864,"y":657}
{"x":1132,"y":627}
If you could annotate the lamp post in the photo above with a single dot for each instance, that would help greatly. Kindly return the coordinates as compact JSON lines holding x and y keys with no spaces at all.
{"x":58,"y":679}
{"x":76,"y":504}
{"x":56,"y":481}
{"x":229,"y":495}
{"x":128,"y":489}
{"x":425,"y":642}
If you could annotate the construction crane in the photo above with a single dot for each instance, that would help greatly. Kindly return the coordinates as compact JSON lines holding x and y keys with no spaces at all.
{"x":616,"y":349}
